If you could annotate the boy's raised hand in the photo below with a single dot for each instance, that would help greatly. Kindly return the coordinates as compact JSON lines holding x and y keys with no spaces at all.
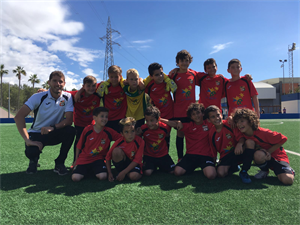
{"x":248,"y":77}
{"x":103,"y":88}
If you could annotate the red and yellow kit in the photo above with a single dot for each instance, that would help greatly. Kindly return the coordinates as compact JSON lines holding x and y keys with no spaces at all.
{"x":265,"y":139}
{"x":223,"y":142}
{"x":239,"y":94}
{"x":133,"y":150}
{"x":155,"y":143}
{"x":94,"y":146}
{"x":161,"y":98}
{"x":185,"y":93}
{"x":197,"y":139}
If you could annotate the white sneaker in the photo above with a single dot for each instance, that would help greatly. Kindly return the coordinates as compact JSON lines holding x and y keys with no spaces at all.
{"x":261,"y":174}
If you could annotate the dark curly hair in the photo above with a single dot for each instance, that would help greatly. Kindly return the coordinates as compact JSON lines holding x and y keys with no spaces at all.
{"x":152,"y":111}
{"x":248,"y":114}
{"x":183,"y":54}
{"x":208,"y":62}
{"x":194,"y":107}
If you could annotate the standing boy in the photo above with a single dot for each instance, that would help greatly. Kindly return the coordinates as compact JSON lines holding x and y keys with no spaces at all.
{"x":93,"y":146}
{"x":198,"y":152}
{"x":156,"y":150}
{"x":185,"y":80}
{"x":222,"y":139}
{"x":126,"y":153}
{"x":240,"y":92}
{"x":49,"y":126}
{"x":83,"y":109}
{"x":270,"y":153}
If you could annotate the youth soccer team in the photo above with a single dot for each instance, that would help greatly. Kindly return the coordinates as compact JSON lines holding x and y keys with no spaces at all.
{"x":140,"y":148}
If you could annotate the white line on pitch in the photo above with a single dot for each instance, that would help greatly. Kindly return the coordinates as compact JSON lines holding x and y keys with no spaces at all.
{"x":295,"y":153}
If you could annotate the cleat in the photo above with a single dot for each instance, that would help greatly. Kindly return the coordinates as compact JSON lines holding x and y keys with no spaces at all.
{"x":261,"y":174}
{"x":245,"y":177}
{"x":60,"y":169}
{"x":32,"y":168}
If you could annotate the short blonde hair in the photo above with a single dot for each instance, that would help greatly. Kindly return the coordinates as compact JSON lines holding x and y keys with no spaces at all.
{"x":128,"y":121}
{"x":132,"y":71}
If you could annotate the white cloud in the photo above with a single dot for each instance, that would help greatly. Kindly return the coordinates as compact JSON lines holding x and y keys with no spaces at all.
{"x":220,"y":47}
{"x":32,"y":36}
{"x":142,"y":41}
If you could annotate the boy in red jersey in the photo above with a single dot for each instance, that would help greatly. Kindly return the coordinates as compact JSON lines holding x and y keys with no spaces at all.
{"x":222,"y":139}
{"x":240,"y":92}
{"x":270,"y":153}
{"x":185,"y":80}
{"x":126,"y":153}
{"x":198,"y":152}
{"x":93,"y":146}
{"x":156,"y":150}
{"x":115,"y":99}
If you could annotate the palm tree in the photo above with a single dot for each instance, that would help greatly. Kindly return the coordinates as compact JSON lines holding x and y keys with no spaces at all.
{"x":34,"y":80}
{"x":2,"y":72}
{"x":45,"y":85}
{"x":19,"y":71}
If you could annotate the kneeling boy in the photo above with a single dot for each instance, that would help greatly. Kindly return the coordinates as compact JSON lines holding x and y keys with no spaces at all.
{"x":198,"y":153}
{"x":155,"y":134}
{"x":222,"y":139}
{"x":126,"y":153}
{"x":271,"y":154}
{"x":93,"y":146}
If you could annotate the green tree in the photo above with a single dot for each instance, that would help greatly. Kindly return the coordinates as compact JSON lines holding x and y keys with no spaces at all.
{"x":2,"y":72}
{"x":34,"y":80}
{"x":19,"y":71}
{"x":45,"y":85}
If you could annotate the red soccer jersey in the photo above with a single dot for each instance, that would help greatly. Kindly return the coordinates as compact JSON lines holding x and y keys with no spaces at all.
{"x":116,"y":102}
{"x":155,"y":143}
{"x":185,"y":93}
{"x":133,"y":150}
{"x":94,"y":146}
{"x":223,"y":142}
{"x":211,"y":89}
{"x":196,"y":138}
{"x":83,"y":110}
{"x":239,"y":94}
{"x":265,"y":139}
{"x":161,"y":98}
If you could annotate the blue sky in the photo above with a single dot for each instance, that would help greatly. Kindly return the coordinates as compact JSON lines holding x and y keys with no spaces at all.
{"x":48,"y":35}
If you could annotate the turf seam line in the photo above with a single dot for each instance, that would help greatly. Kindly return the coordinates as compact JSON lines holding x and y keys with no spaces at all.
{"x":294,"y":153}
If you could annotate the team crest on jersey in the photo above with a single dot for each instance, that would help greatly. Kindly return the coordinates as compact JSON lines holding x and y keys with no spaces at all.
{"x":160,"y":136}
{"x":238,"y":99}
{"x":191,"y":81}
{"x":122,"y":93}
{"x":163,"y":100}
{"x":205,"y":128}
{"x":187,"y":91}
{"x":132,"y":154}
{"x":62,"y":103}
{"x":135,"y":102}
{"x":94,"y":102}
{"x":102,"y":141}
{"x":218,"y":82}
{"x":212,"y":91}
{"x":155,"y":145}
{"x":229,"y":147}
{"x":228,"y":136}
{"x":242,"y":88}
{"x":118,"y":101}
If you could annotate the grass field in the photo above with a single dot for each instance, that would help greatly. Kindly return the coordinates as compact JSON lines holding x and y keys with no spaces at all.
{"x":46,"y":198}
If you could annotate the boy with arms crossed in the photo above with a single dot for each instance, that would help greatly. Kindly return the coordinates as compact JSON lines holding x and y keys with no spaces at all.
{"x":222,"y":139}
{"x":271,"y":154}
{"x":156,"y":150}
{"x":198,"y":152}
{"x":93,"y":146}
{"x":126,"y":153}
{"x":240,"y":92}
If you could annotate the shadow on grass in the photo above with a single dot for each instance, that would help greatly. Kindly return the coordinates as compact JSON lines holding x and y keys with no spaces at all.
{"x":203,"y":185}
{"x":47,"y":180}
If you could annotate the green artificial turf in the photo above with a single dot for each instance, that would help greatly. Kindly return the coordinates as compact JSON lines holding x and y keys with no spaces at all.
{"x":46,"y":198}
